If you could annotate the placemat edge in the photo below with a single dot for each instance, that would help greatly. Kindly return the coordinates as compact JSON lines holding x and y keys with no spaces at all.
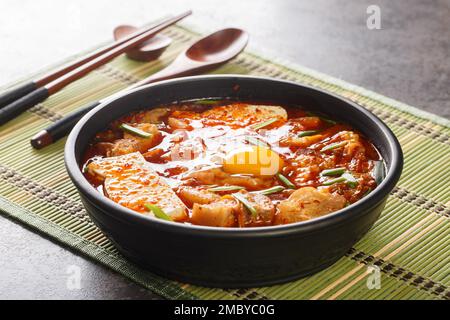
{"x":55,"y":233}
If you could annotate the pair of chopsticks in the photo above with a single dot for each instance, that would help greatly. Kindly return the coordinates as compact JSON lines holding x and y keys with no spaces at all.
{"x":26,"y":96}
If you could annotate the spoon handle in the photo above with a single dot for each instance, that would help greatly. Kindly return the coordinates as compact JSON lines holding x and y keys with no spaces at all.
{"x":178,"y":68}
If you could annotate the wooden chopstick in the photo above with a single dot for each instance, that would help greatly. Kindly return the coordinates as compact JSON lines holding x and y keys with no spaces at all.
{"x":23,"y":89}
{"x":40,"y":94}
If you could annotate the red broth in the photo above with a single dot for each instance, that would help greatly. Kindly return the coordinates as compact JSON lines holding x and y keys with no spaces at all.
{"x":242,"y":164}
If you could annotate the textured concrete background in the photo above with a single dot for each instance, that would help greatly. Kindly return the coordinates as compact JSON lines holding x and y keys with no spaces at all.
{"x":408,"y":59}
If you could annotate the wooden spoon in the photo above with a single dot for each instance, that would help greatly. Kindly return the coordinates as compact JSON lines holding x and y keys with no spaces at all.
{"x":148,"y":50}
{"x":204,"y":55}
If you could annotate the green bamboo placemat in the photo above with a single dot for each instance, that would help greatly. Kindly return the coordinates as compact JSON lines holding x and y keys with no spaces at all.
{"x":409,"y":243}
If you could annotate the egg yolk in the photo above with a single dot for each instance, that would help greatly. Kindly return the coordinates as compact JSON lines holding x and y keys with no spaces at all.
{"x":255,"y":160}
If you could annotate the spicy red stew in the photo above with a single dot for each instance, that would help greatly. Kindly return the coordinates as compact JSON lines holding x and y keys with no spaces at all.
{"x":228,"y":164}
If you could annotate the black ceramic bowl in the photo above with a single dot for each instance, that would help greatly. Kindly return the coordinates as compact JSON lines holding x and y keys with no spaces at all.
{"x":233,"y":257}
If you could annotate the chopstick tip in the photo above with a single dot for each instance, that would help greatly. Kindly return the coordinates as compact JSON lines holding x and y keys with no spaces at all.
{"x":41,"y":139}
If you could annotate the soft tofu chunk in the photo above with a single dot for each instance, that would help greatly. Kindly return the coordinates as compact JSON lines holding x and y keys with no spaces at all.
{"x":236,"y":115}
{"x":307,"y":203}
{"x":265,"y":211}
{"x":241,"y":114}
{"x":130,"y":181}
{"x":216,"y":214}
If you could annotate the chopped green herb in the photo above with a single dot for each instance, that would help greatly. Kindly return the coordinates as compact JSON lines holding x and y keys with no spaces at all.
{"x":333,"y":146}
{"x":272,"y":190}
{"x":157,"y":211}
{"x":351,"y":180}
{"x":256,"y":141}
{"x":135,"y":131}
{"x":311,"y":114}
{"x":306,"y":133}
{"x":333,"y":172}
{"x":207,"y":101}
{"x":378,"y":172}
{"x":329,"y":121}
{"x":225,"y":188}
{"x":263,"y":124}
{"x":346,"y":177}
{"x":285,"y":181}
{"x":333,"y":181}
{"x":245,"y":202}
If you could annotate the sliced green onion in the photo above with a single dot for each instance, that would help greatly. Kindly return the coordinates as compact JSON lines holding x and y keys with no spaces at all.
{"x":285,"y":181}
{"x":329,"y":121}
{"x":333,"y":181}
{"x":306,"y":133}
{"x":311,"y":114}
{"x":378,"y":172}
{"x":333,"y":146}
{"x":333,"y":172}
{"x":135,"y":131}
{"x":256,"y":141}
{"x":351,"y":180}
{"x":245,"y":202}
{"x":263,"y":124}
{"x":272,"y":190}
{"x":225,"y":188}
{"x":157,"y":211}
{"x":346,"y":177}
{"x":207,"y":101}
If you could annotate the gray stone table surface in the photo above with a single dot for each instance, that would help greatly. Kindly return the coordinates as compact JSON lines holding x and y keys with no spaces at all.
{"x":407,"y":59}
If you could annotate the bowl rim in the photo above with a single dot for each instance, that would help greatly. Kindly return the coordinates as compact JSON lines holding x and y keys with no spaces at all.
{"x":122,"y":213}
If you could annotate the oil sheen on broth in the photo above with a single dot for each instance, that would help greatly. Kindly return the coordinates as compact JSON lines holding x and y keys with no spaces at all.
{"x":232,"y":164}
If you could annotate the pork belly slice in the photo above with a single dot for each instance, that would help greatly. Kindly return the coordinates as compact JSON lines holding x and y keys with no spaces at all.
{"x":219,"y":177}
{"x":130,"y":181}
{"x":191,"y":195}
{"x":132,"y":143}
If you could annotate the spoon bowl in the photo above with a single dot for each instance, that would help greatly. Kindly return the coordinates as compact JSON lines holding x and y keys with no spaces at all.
{"x":148,"y":50}
{"x":218,"y":46}
{"x":204,"y":55}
